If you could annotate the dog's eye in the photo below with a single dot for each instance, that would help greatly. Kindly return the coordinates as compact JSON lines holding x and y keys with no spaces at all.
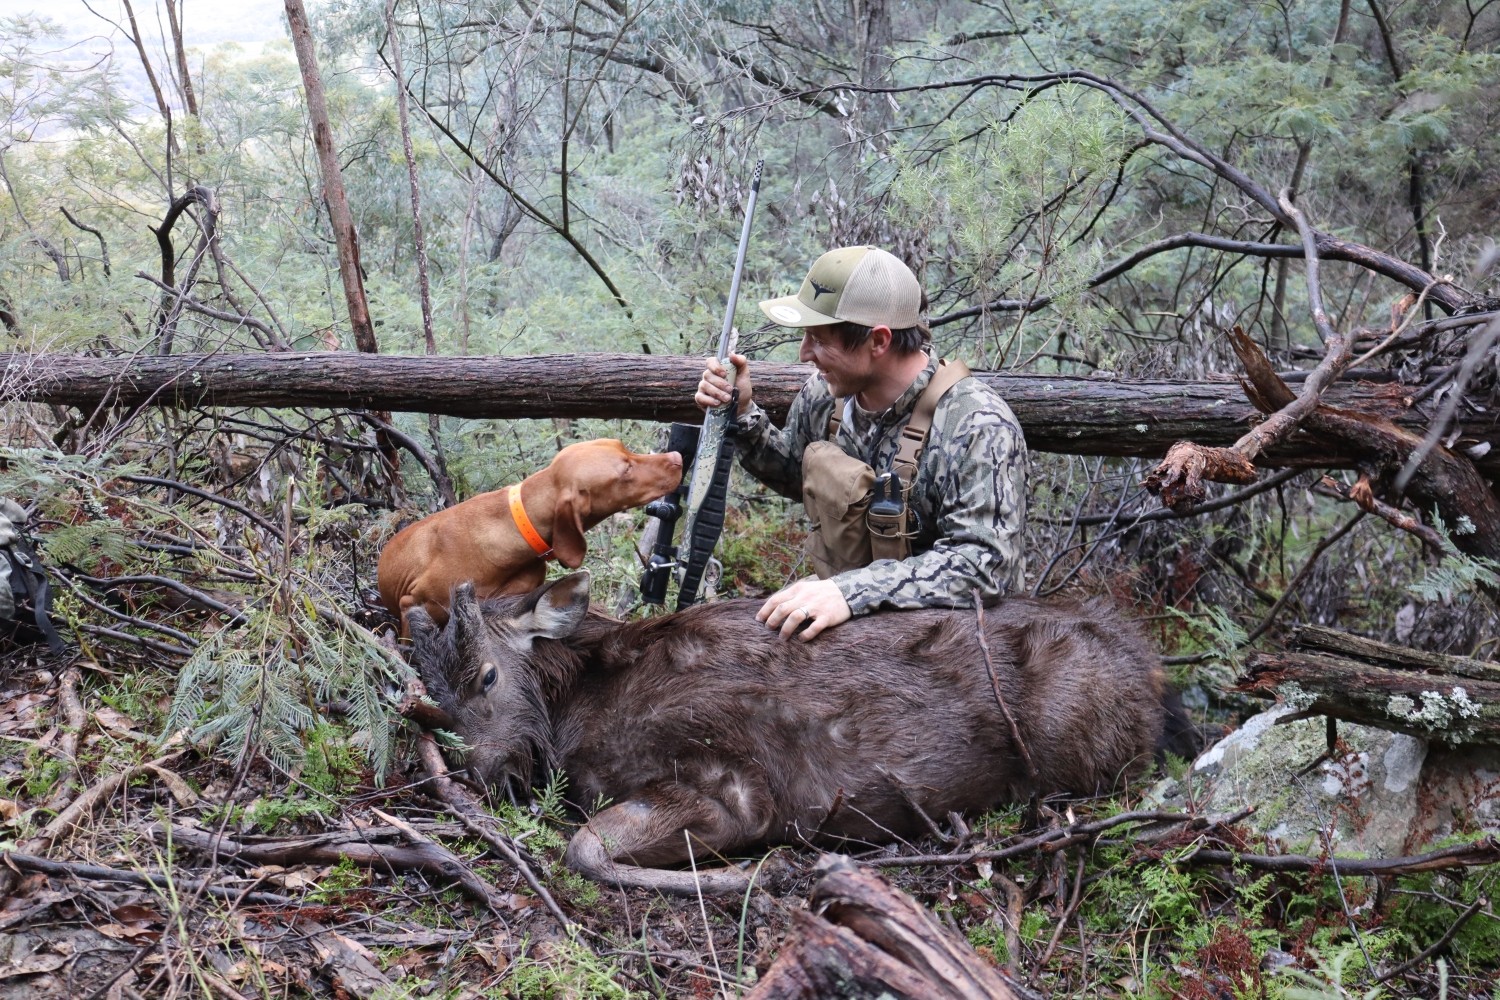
{"x":490,"y":674}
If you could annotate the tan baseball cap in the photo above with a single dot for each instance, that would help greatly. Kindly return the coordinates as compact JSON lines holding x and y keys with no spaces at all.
{"x":864,"y":285}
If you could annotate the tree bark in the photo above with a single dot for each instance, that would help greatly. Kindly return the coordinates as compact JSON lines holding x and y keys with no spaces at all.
{"x":346,"y":237}
{"x":1061,"y":414}
{"x":344,"y":233}
{"x":1444,"y":708}
{"x":870,"y":941}
{"x":1321,"y":638}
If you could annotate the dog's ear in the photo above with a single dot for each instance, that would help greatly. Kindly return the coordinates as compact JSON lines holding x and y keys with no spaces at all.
{"x":568,"y":544}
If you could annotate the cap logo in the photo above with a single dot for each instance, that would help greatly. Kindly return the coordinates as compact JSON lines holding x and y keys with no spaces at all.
{"x":784,"y":314}
{"x":819,"y":289}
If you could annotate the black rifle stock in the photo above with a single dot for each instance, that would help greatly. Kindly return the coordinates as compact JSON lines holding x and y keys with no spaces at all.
{"x":683,"y":439}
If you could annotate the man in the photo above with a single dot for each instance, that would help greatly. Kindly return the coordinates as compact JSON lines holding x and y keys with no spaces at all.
{"x":959,"y":496}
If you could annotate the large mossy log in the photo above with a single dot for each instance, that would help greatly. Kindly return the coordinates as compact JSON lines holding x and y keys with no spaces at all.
{"x":1062,"y":414}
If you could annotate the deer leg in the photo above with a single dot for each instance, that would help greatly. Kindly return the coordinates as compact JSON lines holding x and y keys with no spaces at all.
{"x":653,"y":828}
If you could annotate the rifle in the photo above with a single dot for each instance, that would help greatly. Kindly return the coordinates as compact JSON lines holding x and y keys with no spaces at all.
{"x":707,"y":491}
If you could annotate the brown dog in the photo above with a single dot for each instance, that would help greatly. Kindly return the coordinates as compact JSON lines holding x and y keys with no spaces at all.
{"x":481,"y":539}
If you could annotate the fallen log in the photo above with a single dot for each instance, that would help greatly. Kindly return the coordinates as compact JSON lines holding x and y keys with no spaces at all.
{"x":864,"y":938}
{"x":1313,"y":637}
{"x":1061,"y":414}
{"x":1440,"y":707}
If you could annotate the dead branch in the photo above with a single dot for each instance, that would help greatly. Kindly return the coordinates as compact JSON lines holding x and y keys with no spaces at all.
{"x":1179,"y":479}
{"x":74,"y":721}
{"x":1062,"y":414}
{"x":103,"y":790}
{"x":989,"y":666}
{"x":169,"y":308}
{"x":1480,"y":853}
{"x":1438,"y":945}
{"x":1053,"y":840}
{"x":868,"y":939}
{"x":1362,"y":495}
{"x":467,"y":810}
{"x":1445,"y":709}
{"x":425,"y":855}
{"x":1318,"y":637}
{"x":238,"y":508}
{"x":98,"y":235}
{"x":97,"y":873}
{"x":1325,"y":543}
{"x":191,"y":304}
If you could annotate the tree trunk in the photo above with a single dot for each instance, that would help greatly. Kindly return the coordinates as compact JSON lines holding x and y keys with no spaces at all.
{"x":873,"y":941}
{"x":1061,"y":414}
{"x":344,"y":234}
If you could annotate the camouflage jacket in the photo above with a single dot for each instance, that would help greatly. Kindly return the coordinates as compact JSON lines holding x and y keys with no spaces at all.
{"x":969,"y":497}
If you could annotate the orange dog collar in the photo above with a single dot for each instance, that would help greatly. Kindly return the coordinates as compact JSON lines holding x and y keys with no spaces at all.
{"x":528,"y":531}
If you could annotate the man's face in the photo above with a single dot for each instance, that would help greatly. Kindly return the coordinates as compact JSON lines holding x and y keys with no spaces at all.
{"x":847,"y":371}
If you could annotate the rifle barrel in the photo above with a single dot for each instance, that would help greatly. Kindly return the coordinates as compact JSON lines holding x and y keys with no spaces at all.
{"x":739,"y":263}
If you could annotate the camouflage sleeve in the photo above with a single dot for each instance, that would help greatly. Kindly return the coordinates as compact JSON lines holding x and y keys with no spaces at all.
{"x":774,"y":455}
{"x":973,"y":473}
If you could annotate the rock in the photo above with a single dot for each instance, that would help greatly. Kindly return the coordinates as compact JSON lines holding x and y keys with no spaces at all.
{"x":1386,"y":795}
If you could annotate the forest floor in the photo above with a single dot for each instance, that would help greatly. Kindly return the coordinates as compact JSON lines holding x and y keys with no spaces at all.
{"x":143,"y":869}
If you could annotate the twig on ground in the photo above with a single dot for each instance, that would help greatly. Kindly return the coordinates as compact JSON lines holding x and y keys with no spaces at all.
{"x":468,"y":811}
{"x":74,"y":720}
{"x":1056,"y":839}
{"x":1437,"y":945}
{"x":106,"y":787}
{"x":97,"y":873}
{"x":1480,"y":852}
{"x":1062,"y":920}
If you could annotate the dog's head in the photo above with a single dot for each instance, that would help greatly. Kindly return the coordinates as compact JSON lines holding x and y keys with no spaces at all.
{"x":599,"y":478}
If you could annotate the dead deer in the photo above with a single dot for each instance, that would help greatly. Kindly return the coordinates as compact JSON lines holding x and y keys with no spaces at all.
{"x":705,"y":733}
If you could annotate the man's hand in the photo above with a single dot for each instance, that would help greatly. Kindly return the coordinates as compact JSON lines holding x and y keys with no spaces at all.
{"x":817,"y":604}
{"x":714,"y":387}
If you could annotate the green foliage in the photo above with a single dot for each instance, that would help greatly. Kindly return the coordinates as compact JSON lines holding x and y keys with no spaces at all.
{"x":1043,"y":169}
{"x":42,"y":771}
{"x":551,"y":800}
{"x":541,"y":837}
{"x":272,"y":815}
{"x":1457,"y":574}
{"x":1215,"y":633}
{"x":330,"y":765}
{"x":344,"y":877}
{"x":254,"y":685}
{"x":570,"y":970}
{"x":1429,"y":904}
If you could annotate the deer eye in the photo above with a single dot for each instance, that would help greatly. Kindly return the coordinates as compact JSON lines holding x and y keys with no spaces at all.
{"x":490,"y":675}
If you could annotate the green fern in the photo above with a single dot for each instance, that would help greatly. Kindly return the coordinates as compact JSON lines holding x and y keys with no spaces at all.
{"x":1457,"y":573}
{"x":86,"y":545}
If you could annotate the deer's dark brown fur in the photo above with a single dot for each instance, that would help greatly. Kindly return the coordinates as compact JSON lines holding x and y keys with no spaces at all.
{"x":706,"y":721}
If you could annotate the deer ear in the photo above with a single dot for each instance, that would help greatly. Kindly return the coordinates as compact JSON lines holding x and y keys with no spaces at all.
{"x":466,"y":621}
{"x":560,"y":606}
{"x":568,"y":543}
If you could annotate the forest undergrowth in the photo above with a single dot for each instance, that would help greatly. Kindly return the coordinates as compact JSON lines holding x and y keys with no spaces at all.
{"x":221,"y":799}
{"x":208,"y":789}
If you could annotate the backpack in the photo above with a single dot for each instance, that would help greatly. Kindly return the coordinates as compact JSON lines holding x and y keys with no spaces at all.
{"x":25,"y":594}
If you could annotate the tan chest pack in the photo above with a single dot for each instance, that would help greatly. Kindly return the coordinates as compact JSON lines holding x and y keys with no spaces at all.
{"x":859,"y":516}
